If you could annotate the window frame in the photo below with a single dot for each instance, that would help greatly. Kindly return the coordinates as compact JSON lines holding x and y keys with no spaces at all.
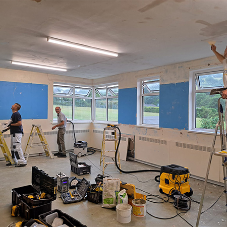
{"x":107,"y":87}
{"x":192,"y":95}
{"x":74,"y":86}
{"x":140,"y":96}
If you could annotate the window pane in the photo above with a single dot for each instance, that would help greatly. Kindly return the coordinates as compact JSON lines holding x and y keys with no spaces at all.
{"x":66,"y":107}
{"x":151,"y":110}
{"x":113,"y":109}
{"x":63,"y":90}
{"x":151,"y":87}
{"x":100,"y":92}
{"x":82,"y":110}
{"x":207,"y":110}
{"x":210,"y":81}
{"x":100,"y":109}
{"x":113,"y":91}
{"x":82,"y":92}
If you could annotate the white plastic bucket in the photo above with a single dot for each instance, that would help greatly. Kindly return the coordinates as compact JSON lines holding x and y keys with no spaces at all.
{"x":139,"y":207}
{"x":124,"y":213}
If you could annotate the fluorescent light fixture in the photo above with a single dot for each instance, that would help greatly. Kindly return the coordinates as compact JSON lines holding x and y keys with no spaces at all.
{"x":38,"y":66}
{"x":81,"y":46}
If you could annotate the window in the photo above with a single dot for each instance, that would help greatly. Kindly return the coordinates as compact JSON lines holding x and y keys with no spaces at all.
{"x":75,"y":101}
{"x":204,"y":105}
{"x":106,"y":103}
{"x":150,"y":101}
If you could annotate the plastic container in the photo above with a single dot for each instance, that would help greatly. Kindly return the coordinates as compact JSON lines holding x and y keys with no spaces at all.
{"x":68,"y":220}
{"x":124,"y":213}
{"x":139,"y":207}
{"x":41,"y":182}
{"x":81,"y":168}
{"x":32,"y":221}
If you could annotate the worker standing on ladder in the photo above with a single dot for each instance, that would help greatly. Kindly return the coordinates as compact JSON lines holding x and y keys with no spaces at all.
{"x":16,"y":131}
{"x":61,"y":133}
{"x":223,"y":60}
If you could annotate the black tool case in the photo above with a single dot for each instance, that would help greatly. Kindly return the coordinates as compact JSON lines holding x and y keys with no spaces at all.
{"x":68,"y":220}
{"x":32,"y":207}
{"x":78,"y":168}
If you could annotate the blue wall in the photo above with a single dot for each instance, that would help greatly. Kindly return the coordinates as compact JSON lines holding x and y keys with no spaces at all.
{"x":127,"y":106}
{"x":173,"y":105}
{"x":33,"y":99}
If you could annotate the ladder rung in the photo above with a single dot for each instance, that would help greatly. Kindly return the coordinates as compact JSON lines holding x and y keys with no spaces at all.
{"x":107,"y":163}
{"x":110,"y":140}
{"x":109,"y":151}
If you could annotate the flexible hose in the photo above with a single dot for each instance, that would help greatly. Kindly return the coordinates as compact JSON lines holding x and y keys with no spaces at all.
{"x":123,"y":171}
{"x":73,"y":130}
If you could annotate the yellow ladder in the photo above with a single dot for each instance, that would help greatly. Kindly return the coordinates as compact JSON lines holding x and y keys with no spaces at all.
{"x":37,"y":129}
{"x":107,"y":153}
{"x":5,"y":150}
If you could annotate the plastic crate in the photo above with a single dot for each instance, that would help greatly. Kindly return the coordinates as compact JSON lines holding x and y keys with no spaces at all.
{"x":73,"y":158}
{"x":81,"y":168}
{"x":32,"y":221}
{"x":68,"y":220}
{"x":29,"y":212}
{"x":41,"y":182}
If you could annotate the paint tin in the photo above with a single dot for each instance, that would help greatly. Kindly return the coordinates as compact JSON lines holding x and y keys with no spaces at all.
{"x":139,"y":207}
{"x":124,"y":213}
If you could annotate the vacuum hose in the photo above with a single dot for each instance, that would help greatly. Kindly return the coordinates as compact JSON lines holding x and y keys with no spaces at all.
{"x":116,"y":153}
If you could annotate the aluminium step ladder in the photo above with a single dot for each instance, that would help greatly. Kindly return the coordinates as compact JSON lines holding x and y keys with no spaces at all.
{"x":109,"y":154}
{"x":222,"y":153}
{"x":43,"y":142}
{"x":5,"y":150}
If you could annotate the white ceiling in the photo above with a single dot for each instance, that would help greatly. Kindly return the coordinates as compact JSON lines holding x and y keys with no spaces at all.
{"x":145,"y":33}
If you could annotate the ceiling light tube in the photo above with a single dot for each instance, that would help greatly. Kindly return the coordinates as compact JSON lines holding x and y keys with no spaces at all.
{"x":80,"y":46}
{"x":38,"y":66}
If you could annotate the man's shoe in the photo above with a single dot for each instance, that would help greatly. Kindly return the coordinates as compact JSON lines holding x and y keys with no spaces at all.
{"x":20,"y":165}
{"x":56,"y":154}
{"x":8,"y":164}
{"x":62,"y":156}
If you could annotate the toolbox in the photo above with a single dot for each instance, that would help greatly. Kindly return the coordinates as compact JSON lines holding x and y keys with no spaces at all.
{"x":78,"y":194}
{"x":81,"y":168}
{"x":36,"y":198}
{"x":48,"y":217}
{"x":78,"y":168}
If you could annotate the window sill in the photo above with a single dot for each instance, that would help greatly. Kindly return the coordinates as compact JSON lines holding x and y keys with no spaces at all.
{"x":147,"y":126}
{"x":75,"y":122}
{"x":203,"y":131}
{"x":106,"y":122}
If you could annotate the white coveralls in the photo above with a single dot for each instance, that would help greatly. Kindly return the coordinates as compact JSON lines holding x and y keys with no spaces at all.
{"x":16,"y":150}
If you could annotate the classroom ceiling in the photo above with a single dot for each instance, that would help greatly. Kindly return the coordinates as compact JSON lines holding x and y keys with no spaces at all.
{"x":145,"y":33}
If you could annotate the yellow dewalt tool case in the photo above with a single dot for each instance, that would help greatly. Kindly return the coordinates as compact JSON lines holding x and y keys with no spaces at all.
{"x":33,"y":200}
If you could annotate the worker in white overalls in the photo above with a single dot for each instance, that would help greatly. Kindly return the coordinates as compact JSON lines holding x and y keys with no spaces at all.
{"x":223,"y":60}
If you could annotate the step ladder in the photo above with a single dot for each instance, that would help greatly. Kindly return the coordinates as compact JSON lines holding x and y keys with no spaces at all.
{"x":222,"y":153}
{"x":43,"y":142}
{"x":109,"y":154}
{"x":5,"y":150}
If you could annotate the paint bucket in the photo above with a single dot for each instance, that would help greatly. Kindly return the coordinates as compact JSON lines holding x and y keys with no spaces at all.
{"x":124,"y":213}
{"x":139,"y":207}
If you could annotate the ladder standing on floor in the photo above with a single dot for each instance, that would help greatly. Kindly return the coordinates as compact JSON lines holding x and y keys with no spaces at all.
{"x":5,"y":150}
{"x":43,"y":141}
{"x":222,"y":153}
{"x":106,"y":153}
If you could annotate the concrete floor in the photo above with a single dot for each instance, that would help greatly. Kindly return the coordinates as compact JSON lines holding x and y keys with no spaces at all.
{"x":94,"y":215}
